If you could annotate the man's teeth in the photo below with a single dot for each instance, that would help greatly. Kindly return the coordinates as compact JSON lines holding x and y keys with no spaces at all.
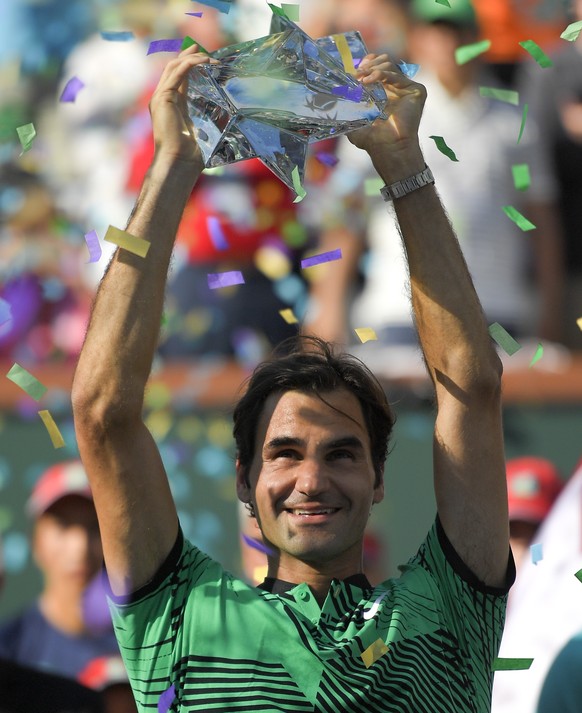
{"x":314,"y":512}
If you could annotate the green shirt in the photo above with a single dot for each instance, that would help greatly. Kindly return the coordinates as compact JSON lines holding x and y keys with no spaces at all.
{"x":423,"y":642}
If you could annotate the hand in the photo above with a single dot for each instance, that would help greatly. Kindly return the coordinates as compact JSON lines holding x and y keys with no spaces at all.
{"x":405,"y":104}
{"x":173,"y":132}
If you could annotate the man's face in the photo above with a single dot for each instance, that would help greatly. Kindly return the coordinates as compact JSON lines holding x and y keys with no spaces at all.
{"x":67,"y":545}
{"x":312,"y":479}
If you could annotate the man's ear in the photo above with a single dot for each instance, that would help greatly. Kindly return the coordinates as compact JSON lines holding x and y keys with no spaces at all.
{"x":378,"y":492}
{"x":243,"y":489}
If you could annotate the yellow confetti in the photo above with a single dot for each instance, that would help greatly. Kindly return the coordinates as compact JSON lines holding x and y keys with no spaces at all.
{"x":52,"y":428}
{"x":579,"y":323}
{"x":374,"y":652}
{"x":366,"y":334}
{"x":127,"y":241}
{"x":345,"y":53}
{"x":288,"y":316}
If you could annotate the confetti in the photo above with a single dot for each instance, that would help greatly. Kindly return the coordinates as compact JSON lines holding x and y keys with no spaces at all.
{"x":92,"y":240}
{"x":572,"y":32}
{"x":373,"y":186}
{"x":194,"y":14}
{"x":441,"y":145}
{"x":166,"y":699}
{"x":301,"y":192}
{"x":72,"y":88}
{"x":216,"y":233}
{"x":579,"y":323}
{"x":188,"y":42}
{"x":374,"y":652}
{"x":328,"y":159}
{"x":409,"y":69}
{"x":511,"y":664}
{"x":538,"y":355}
{"x":536,"y":552}
{"x":321,"y":258}
{"x":353,"y":94}
{"x":345,"y":53}
{"x":520,"y":220}
{"x":170,"y":45}
{"x":521,"y":176}
{"x":446,"y":3}
{"x":27,"y":382}
{"x":366,"y":334}
{"x":127,"y":241}
{"x":225,"y":279}
{"x":537,"y":53}
{"x":509,"y":96}
{"x":26,"y":134}
{"x":257,"y":545}
{"x":578,"y":575}
{"x":523,"y":120}
{"x":221,"y":5}
{"x":121,"y":36}
{"x":52,"y":428}
{"x":466,"y":53}
{"x":291,"y":10}
{"x":289,"y":316}
{"x":504,"y":339}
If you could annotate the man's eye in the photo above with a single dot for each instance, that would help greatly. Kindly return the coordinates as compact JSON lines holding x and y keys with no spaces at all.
{"x":287,"y":454}
{"x":338,"y":455}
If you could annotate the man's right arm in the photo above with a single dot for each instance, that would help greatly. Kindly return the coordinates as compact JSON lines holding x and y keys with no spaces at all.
{"x":137,"y":515}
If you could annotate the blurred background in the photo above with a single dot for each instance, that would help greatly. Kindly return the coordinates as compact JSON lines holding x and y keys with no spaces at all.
{"x":80,"y":169}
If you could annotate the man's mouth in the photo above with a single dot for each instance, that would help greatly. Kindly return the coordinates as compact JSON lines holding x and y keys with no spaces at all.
{"x":312,"y":512}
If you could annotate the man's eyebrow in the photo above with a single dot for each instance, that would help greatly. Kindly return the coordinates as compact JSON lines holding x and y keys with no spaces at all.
{"x":346,"y":441}
{"x":279,"y":441}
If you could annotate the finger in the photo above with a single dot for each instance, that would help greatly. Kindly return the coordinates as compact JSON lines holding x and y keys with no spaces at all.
{"x":176,"y":70}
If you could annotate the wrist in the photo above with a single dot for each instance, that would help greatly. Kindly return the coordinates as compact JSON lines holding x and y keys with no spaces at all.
{"x":395,"y":165}
{"x":170,"y":167}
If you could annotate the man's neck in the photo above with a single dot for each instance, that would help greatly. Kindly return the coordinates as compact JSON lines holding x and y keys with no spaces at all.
{"x":317,"y":578}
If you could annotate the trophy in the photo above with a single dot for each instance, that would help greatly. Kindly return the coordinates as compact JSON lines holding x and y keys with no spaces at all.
{"x":271,"y":97}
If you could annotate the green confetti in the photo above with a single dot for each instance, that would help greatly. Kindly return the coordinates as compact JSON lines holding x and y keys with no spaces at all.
{"x":538,"y":355}
{"x":291,"y":10}
{"x":509,"y":96}
{"x":466,"y":53}
{"x":537,"y":53}
{"x":189,"y":41}
{"x":500,"y":664}
{"x":509,"y":345}
{"x":578,"y":575}
{"x":441,"y":145}
{"x":301,"y":192}
{"x":523,"y":120}
{"x":520,"y":220}
{"x":446,"y":3}
{"x":26,"y":134}
{"x":373,"y":186}
{"x":26,"y":381}
{"x":277,"y":10}
{"x":521,"y":176}
{"x":571,"y":32}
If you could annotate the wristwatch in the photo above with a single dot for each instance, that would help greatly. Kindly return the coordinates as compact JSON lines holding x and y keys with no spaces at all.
{"x":407,"y":185}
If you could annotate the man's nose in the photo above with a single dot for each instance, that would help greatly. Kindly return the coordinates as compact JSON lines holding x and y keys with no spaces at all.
{"x":311,"y":477}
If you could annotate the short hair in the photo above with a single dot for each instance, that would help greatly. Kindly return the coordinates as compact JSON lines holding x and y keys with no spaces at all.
{"x":311,"y":365}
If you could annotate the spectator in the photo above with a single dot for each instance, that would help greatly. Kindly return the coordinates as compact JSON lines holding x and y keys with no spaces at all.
{"x":562,"y":687}
{"x":107,"y":674}
{"x":52,"y":635}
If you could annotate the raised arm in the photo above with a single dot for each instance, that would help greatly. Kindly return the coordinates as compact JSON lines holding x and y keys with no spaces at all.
{"x":136,"y":512}
{"x":469,"y":463}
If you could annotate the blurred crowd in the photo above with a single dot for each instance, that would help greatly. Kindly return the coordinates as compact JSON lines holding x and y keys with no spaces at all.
{"x":82,"y":171}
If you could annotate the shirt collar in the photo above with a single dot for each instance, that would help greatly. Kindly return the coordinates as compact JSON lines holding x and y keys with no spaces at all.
{"x":279,"y":586}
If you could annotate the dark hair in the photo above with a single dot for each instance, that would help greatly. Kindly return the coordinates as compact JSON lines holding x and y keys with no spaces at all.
{"x":311,"y":365}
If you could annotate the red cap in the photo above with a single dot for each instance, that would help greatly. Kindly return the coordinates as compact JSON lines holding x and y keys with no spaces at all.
{"x":102,"y":672}
{"x":56,"y":482}
{"x":532,"y":486}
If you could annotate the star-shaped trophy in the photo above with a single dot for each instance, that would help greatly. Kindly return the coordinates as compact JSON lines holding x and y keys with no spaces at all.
{"x":271,"y":97}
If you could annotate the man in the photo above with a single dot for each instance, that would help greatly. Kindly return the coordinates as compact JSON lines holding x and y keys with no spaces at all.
{"x":312,"y":433}
{"x":52,"y":634}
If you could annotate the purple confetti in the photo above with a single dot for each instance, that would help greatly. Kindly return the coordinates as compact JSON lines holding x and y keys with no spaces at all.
{"x":322,"y":257}
{"x":257,"y":545}
{"x":5,"y":312}
{"x":94,"y":606}
{"x":358,"y":62}
{"x":353,"y":94}
{"x":166,"y":699}
{"x":194,"y":14}
{"x":117,"y":36}
{"x":172,"y":45}
{"x":92,"y":240}
{"x":225,"y":279}
{"x":216,"y":234}
{"x":328,"y":159}
{"x":72,"y":88}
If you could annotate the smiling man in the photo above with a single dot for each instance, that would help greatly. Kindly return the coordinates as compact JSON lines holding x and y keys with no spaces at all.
{"x":312,"y":432}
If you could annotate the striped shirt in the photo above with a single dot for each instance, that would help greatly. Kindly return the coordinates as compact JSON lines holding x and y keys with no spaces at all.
{"x":207,"y":641}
